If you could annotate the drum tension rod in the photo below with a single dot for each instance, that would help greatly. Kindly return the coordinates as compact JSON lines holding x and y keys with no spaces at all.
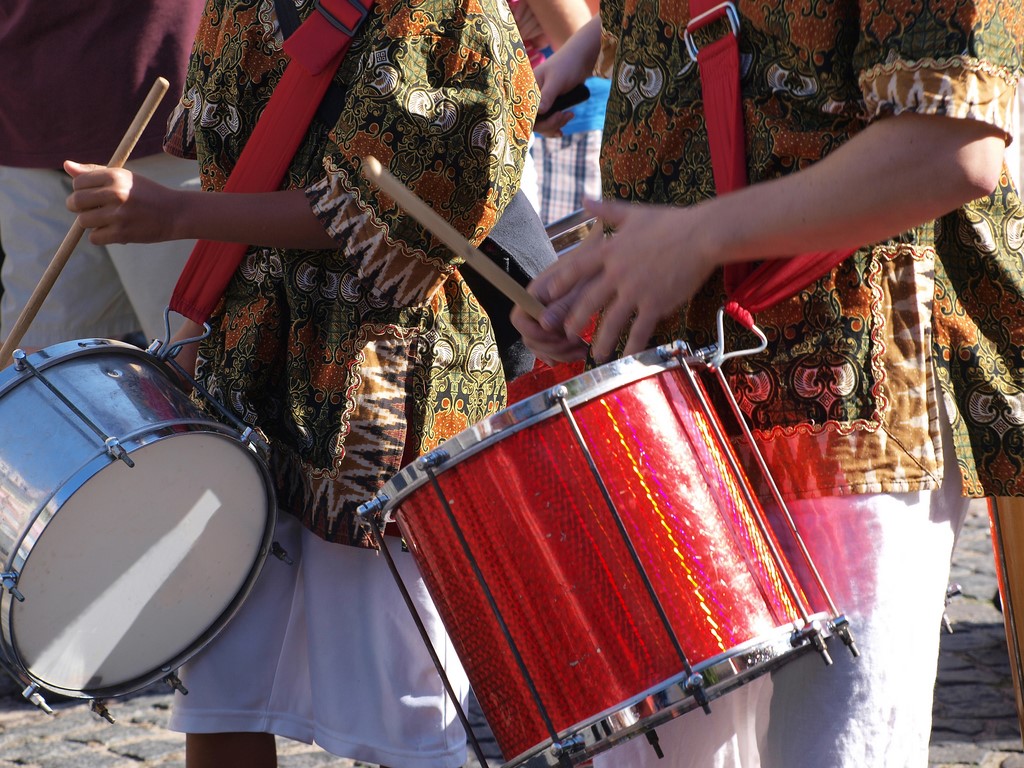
{"x":841,"y":626}
{"x":99,"y":707}
{"x":9,"y":579}
{"x":246,"y":433}
{"x":175,"y":684}
{"x":281,"y":553}
{"x":112,"y":444}
{"x":953,"y":590}
{"x":712,"y":357}
{"x":564,"y":749}
{"x":652,"y":739}
{"x":32,"y":695}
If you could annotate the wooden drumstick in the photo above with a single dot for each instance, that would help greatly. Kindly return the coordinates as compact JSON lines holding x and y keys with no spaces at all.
{"x":67,"y":246}
{"x":451,"y":237}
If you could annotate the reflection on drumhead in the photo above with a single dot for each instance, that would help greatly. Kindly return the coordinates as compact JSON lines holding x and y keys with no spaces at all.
{"x":118,"y":607}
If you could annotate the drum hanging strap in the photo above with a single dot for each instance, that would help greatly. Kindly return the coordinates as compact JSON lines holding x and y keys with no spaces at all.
{"x":749,"y":288}
{"x":316,"y":49}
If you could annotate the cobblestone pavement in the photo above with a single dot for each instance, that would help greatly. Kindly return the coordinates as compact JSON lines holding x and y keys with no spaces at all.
{"x":975,"y":722}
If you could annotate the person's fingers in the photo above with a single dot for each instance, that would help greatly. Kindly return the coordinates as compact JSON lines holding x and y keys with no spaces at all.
{"x":611,"y":213}
{"x":554,"y":314}
{"x":551,"y":127}
{"x":548,"y":345}
{"x":522,"y":321}
{"x":547,"y":92}
{"x":578,"y":266}
{"x":593,"y":297}
{"x":640,"y":332}
{"x":542,"y":286}
{"x":93,"y":201}
{"x":615,"y":317}
{"x":74,"y":169}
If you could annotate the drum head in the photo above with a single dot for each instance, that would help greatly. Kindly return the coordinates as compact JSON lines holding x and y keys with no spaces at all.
{"x":140,"y":563}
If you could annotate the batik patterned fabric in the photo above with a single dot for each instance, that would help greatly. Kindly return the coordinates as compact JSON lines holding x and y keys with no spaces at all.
{"x":843,"y":400}
{"x":352,"y":361}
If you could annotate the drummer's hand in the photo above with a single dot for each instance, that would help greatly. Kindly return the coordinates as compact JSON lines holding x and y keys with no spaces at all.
{"x":551,"y":346}
{"x":119,"y":206}
{"x":635,"y":277}
{"x":553,"y":80}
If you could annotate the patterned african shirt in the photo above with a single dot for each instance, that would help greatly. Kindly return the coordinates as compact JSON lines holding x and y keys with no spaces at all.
{"x":352,"y":361}
{"x":844,"y":400}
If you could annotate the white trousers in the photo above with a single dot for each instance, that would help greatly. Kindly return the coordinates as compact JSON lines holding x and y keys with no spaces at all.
{"x":325,"y":651}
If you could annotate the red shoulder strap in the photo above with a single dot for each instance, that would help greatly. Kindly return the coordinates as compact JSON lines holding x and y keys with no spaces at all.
{"x":748,"y":289}
{"x":316,"y":49}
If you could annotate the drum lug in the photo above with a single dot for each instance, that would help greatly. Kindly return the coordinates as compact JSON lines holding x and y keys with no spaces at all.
{"x":674,"y":351}
{"x":565,"y":748}
{"x":9,"y":579}
{"x":117,"y":451}
{"x":99,"y":707}
{"x":558,"y":394}
{"x":372,"y":508}
{"x":695,"y":687}
{"x":841,"y":626}
{"x":812,"y":634}
{"x":652,"y":739}
{"x":255,"y":440}
{"x":370,"y":515}
{"x":281,"y":554}
{"x":175,"y":684}
{"x":434,"y":459}
{"x":32,"y":694}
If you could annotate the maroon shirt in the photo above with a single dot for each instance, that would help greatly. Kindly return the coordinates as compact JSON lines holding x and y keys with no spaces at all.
{"x":75,"y":72}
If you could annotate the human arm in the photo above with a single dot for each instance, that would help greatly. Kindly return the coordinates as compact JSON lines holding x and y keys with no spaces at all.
{"x":118,"y":206}
{"x":566,"y":68}
{"x":560,"y":19}
{"x":530,"y":28}
{"x":892,"y":176}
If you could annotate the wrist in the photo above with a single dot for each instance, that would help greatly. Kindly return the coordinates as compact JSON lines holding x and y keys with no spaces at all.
{"x":732,"y":229}
{"x":181,"y":214}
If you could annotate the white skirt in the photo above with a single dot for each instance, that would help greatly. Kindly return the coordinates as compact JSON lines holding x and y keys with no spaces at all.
{"x":325,"y":651}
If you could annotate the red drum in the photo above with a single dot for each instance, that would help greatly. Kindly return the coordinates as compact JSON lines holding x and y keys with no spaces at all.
{"x":598,"y":562}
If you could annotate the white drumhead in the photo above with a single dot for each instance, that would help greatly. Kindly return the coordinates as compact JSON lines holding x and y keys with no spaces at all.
{"x":140,"y":562}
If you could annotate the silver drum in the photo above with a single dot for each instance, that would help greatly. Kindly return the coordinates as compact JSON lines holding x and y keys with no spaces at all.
{"x":132,"y":525}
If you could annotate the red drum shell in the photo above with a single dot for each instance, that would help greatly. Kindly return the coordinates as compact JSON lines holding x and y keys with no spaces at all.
{"x":530,"y":528}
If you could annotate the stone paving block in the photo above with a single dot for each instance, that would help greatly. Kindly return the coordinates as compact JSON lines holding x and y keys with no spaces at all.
{"x":971,"y":674}
{"x":66,"y":727}
{"x":1012,"y":761}
{"x":32,"y":751}
{"x":955,"y":728}
{"x":957,"y":753}
{"x":972,"y":636}
{"x":317,"y":760}
{"x":151,"y":710}
{"x":147,"y":750}
{"x":88,"y":759}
